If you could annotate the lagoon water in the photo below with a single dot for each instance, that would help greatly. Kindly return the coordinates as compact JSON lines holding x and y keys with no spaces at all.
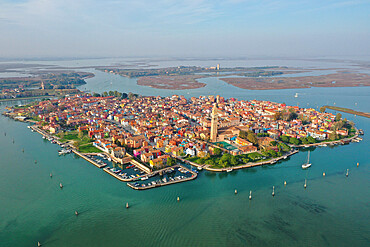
{"x":333,"y":211}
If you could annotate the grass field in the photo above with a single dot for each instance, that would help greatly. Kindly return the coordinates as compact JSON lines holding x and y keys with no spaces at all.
{"x":89,"y":149}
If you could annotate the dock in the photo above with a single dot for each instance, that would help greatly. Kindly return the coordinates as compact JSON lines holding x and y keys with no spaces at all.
{"x":88,"y":159}
{"x":194,"y":176}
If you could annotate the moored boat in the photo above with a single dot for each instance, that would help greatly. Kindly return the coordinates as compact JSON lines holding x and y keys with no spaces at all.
{"x":307,"y":164}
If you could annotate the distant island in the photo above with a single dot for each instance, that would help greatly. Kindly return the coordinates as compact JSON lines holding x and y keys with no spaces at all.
{"x":330,"y":80}
{"x":42,"y":84}
{"x":252,"y":78}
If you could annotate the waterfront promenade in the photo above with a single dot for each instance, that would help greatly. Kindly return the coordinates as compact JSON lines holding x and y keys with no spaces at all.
{"x":147,"y":171}
{"x":247,"y":165}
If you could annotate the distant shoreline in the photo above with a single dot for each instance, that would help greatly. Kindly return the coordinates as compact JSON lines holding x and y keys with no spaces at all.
{"x":26,"y":98}
{"x":347,"y":110}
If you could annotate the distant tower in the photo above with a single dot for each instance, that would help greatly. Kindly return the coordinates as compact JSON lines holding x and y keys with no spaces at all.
{"x":42,"y":86}
{"x":214,"y":123}
{"x":218,"y":66}
{"x":218,"y":99}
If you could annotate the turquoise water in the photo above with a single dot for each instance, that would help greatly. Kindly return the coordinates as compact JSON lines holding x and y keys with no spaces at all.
{"x":333,"y":211}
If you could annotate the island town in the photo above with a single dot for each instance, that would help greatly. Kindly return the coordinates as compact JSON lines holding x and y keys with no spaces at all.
{"x":155,"y":141}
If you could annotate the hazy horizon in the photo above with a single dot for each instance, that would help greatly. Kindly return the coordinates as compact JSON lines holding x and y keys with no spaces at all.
{"x":189,"y":28}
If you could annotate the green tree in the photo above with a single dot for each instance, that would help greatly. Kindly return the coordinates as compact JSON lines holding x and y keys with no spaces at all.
{"x":310,"y":139}
{"x":252,"y":138}
{"x":333,"y":135}
{"x":304,"y":140}
{"x":201,"y":161}
{"x":278,"y":116}
{"x":254,"y":156}
{"x":243,"y":134}
{"x":294,"y":141}
{"x":233,"y":161}
{"x":171,"y":161}
{"x":226,"y":157}
{"x":292,"y":115}
{"x":217,"y":151}
{"x":338,"y":117}
{"x":285,"y":138}
{"x":131,"y":96}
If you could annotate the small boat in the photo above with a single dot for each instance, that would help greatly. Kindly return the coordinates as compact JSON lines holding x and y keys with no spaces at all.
{"x":144,"y":178}
{"x":296,"y":95}
{"x":199,"y":168}
{"x":61,"y":185}
{"x":307,"y":164}
{"x":229,"y":170}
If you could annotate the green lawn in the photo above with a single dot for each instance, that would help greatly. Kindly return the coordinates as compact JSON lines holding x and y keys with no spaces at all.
{"x":214,"y":160}
{"x":89,"y":149}
{"x":68,"y":136}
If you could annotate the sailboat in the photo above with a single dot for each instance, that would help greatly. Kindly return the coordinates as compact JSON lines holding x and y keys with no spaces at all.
{"x":307,"y":164}
{"x":296,"y":95}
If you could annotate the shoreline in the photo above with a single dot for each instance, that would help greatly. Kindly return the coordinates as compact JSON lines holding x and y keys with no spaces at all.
{"x":248,"y":165}
{"x":347,"y":110}
{"x":27,"y":98}
{"x":270,"y":161}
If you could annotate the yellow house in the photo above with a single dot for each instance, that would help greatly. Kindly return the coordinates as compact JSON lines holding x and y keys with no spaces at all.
{"x":190,"y":135}
{"x":176,"y":151}
{"x":159,"y":143}
{"x":156,"y":162}
{"x":168,"y":149}
{"x":203,"y":136}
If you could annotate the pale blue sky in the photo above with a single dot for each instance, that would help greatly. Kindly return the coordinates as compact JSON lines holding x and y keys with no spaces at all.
{"x":218,"y":28}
